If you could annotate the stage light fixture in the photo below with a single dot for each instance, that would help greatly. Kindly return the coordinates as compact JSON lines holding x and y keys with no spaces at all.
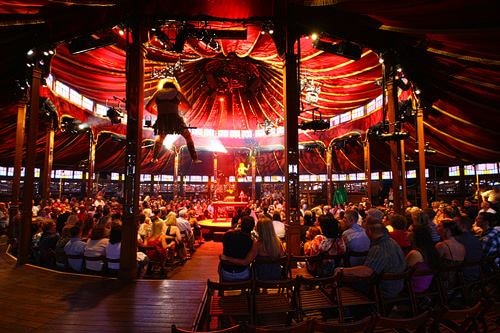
{"x":395,"y":136}
{"x":315,"y":125}
{"x":48,"y":112}
{"x":343,"y":48}
{"x":115,"y":115}
{"x":90,"y":42}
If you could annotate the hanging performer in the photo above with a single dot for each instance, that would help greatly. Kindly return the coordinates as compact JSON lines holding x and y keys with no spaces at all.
{"x":169,"y":120}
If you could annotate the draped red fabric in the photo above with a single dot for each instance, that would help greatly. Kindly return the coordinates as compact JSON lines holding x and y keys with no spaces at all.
{"x":447,"y":48}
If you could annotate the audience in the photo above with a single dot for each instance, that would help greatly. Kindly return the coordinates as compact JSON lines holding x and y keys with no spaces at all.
{"x":399,"y":232}
{"x":354,"y":237}
{"x":328,"y":243}
{"x":384,"y":256}
{"x":268,"y":245}
{"x":423,"y":257}
{"x":490,"y":237}
{"x":472,"y":245}
{"x":75,"y":246}
{"x":237,"y":243}
{"x":96,"y":247}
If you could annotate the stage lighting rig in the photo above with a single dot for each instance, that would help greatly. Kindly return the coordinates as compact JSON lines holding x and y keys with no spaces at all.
{"x":115,"y":115}
{"x":395,"y":136}
{"x":345,"y":49}
{"x":316,"y":124}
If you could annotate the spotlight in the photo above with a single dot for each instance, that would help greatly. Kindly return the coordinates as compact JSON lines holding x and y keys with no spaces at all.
{"x":48,"y":112}
{"x":343,"y":48}
{"x":396,"y":136}
{"x":72,"y":126}
{"x":148,"y":122}
{"x":267,"y":27}
{"x":114,"y":115}
{"x":379,"y":128}
{"x":315,"y":125}
{"x":428,"y":149}
{"x":90,"y":42}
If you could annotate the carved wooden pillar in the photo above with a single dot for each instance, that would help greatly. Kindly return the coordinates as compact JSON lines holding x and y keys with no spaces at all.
{"x":421,"y":159}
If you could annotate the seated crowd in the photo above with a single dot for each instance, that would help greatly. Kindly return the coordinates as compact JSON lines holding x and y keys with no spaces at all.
{"x":86,"y":235}
{"x":359,"y":242}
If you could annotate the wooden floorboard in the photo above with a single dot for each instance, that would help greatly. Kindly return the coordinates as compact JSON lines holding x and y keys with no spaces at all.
{"x":38,"y":300}
{"x":33,"y":299}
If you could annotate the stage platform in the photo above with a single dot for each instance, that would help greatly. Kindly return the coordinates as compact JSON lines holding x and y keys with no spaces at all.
{"x":211,"y":226}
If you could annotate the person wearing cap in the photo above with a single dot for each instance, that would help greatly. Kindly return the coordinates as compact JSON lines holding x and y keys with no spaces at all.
{"x":384,"y":256}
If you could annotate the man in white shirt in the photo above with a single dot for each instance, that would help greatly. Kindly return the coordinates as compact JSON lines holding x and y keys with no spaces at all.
{"x":185,"y":228}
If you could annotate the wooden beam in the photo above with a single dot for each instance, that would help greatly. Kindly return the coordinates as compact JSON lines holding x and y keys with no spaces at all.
{"x":392,"y":104}
{"x":18,"y":158}
{"x":29,"y":174}
{"x":47,"y":164}
{"x":368,"y":169}
{"x":135,"y":108}
{"x":421,"y":159}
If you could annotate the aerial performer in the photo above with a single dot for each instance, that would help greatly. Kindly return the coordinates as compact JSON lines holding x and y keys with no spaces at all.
{"x":242,"y":170}
{"x":169,"y":120}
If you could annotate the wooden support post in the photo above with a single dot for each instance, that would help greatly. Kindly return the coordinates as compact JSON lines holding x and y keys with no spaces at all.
{"x":29,"y":174}
{"x":18,"y":158}
{"x":253,"y":163}
{"x":421,"y":159}
{"x":403,"y":173}
{"x":216,"y":176}
{"x":368,"y":169}
{"x":291,"y":104}
{"x":91,"y":165}
{"x":176,"y":172}
{"x":329,"y":185}
{"x":135,"y":108}
{"x":392,"y":104}
{"x":47,"y":164}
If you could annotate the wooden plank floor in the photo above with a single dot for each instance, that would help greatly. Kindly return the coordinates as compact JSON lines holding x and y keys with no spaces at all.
{"x":37,"y":300}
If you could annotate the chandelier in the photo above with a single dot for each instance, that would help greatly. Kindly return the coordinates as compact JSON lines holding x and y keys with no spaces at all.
{"x":170,"y":70}
{"x":312,"y":90}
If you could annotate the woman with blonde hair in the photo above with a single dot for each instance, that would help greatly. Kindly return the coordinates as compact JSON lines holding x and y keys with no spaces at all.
{"x":267,"y":247}
{"x":157,"y":244}
{"x":173,"y":234}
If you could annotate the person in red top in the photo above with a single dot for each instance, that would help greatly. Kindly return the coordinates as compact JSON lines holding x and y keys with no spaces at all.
{"x":399,"y":232}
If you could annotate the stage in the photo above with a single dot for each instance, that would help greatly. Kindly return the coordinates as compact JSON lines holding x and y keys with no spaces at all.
{"x":221,"y":225}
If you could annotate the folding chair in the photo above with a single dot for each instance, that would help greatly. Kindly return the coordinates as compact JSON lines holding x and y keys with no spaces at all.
{"x":275,"y":302}
{"x":317,"y":295}
{"x":364,"y":325}
{"x":233,"y":329}
{"x":229,"y":303}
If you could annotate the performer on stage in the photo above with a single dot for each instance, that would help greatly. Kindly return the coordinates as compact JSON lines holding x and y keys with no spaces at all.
{"x":169,"y":120}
